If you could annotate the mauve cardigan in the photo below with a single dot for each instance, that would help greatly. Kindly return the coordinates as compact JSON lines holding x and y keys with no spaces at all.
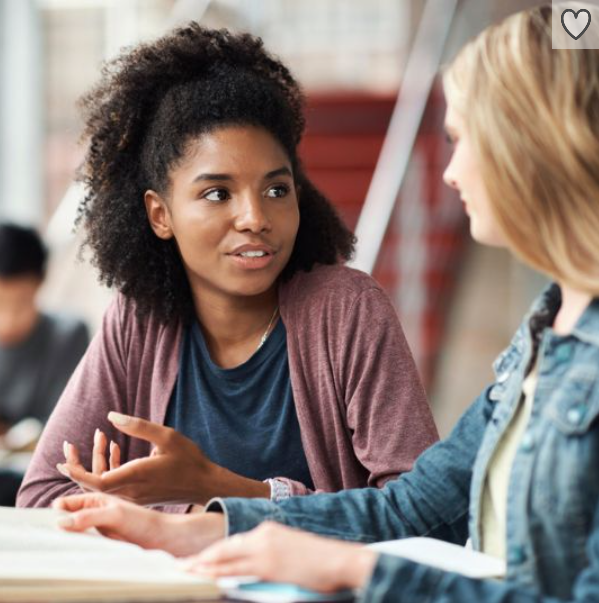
{"x":361,"y":407}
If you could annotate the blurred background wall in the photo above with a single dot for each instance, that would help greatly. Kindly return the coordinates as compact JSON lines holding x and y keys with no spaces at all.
{"x":459,"y":302}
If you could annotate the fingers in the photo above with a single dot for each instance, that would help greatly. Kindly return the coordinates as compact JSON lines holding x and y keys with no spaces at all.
{"x":84,"y":479}
{"x":99,"y":464}
{"x":106,"y":516}
{"x":96,"y":510}
{"x":239,"y":555}
{"x":71,"y":454}
{"x":156,"y":434}
{"x":115,"y":456}
{"x":226,"y":551}
{"x":244,"y":567}
{"x":76,"y":502}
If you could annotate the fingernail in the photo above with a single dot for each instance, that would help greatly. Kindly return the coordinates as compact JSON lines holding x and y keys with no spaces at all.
{"x":66,"y":521}
{"x":63,"y":470}
{"x":65,"y":449}
{"x":112,"y":445}
{"x":96,"y":437}
{"x":118,"y":419}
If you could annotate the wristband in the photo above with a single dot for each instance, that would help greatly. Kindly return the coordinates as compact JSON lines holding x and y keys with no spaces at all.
{"x":279,"y":490}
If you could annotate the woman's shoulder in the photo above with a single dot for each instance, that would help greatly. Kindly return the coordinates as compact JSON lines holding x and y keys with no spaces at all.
{"x":124,"y":319}
{"x":322,"y":279}
{"x":326,"y":287}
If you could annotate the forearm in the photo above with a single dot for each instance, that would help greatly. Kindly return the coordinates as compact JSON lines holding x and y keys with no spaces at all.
{"x":432,"y":499}
{"x":354,"y":515}
{"x":396,"y":580}
{"x":189,"y":534}
{"x":225,"y":483}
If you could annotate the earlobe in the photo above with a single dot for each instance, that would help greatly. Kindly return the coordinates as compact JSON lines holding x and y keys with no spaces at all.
{"x":158,"y":214}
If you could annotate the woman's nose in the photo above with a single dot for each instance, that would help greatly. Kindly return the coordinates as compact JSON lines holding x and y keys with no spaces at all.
{"x":449,"y":178}
{"x":251,"y":215}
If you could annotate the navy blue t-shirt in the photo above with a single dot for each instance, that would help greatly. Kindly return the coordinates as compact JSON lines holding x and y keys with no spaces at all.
{"x":243,"y":418}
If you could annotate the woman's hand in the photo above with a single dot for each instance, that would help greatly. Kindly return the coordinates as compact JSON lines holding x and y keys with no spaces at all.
{"x":177,"y":471}
{"x":277,"y":553}
{"x":174,"y":472}
{"x":99,"y":463}
{"x":180,"y":535}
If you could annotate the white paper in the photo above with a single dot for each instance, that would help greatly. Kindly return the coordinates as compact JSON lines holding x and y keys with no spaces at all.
{"x":444,"y":556}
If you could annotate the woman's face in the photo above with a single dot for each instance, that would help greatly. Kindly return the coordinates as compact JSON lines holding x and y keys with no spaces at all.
{"x":233,"y":210}
{"x":463,"y":174}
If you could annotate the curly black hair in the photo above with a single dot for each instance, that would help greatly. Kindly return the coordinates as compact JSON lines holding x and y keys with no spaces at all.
{"x":150,"y":102}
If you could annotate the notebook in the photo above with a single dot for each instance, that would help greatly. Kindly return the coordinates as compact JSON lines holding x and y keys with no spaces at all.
{"x":251,"y":589}
{"x":41,"y":562}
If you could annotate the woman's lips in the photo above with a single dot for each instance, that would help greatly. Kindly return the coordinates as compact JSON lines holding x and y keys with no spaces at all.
{"x":252,"y":263}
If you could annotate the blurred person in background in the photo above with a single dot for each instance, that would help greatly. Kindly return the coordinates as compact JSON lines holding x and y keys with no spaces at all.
{"x":519,"y":474}
{"x":38,"y":351}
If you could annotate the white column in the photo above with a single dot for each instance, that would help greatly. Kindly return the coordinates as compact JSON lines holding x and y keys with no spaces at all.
{"x":21,"y":124}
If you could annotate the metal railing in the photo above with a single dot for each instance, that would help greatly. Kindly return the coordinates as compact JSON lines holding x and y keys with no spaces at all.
{"x":421,"y":69}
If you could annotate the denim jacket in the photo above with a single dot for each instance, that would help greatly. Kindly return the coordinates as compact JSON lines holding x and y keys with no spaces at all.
{"x":553,"y":495}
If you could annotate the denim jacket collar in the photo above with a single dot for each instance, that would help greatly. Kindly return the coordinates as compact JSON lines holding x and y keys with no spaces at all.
{"x":586,"y":328}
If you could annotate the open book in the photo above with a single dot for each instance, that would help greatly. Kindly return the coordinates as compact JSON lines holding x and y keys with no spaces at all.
{"x":444,"y":556}
{"x":41,"y":562}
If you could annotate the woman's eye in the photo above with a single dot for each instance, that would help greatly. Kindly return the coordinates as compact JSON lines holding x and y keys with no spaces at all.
{"x":278,"y":191}
{"x":451,"y":140}
{"x":218,"y":194}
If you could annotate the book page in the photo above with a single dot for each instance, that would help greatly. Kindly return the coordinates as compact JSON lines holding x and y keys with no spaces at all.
{"x":33,"y":547}
{"x":444,"y":556}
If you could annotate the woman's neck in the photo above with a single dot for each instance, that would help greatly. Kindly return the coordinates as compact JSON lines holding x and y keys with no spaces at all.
{"x":233,"y":326}
{"x":574,"y":303}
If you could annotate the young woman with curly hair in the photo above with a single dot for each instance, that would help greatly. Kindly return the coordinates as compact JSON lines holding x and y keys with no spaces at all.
{"x":240,"y":354}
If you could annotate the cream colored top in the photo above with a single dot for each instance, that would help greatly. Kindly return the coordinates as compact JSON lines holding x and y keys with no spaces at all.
{"x":494,"y":500}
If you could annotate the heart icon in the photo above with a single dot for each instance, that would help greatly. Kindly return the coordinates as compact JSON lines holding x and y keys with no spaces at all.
{"x":575,"y":28}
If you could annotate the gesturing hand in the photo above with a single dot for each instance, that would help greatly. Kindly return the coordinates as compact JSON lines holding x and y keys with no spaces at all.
{"x":177,"y":471}
{"x":277,"y":553}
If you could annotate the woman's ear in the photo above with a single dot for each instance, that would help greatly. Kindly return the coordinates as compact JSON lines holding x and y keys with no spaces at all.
{"x":158,"y":215}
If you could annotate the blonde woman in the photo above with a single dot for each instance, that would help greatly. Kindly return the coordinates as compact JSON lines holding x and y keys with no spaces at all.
{"x":520,"y":472}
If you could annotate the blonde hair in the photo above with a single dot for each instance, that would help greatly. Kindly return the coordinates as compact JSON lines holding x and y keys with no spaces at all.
{"x":532,"y":113}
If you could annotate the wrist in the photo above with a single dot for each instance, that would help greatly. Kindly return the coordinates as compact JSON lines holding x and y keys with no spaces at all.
{"x":279,"y":489}
{"x":356,"y":567}
{"x":190,"y":534}
{"x":221,"y":482}
{"x":207,"y":474}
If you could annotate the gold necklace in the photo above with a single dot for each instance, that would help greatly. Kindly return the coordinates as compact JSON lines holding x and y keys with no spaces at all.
{"x":265,"y":336}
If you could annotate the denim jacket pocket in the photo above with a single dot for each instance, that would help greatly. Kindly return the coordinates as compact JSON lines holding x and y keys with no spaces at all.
{"x":576,"y":408}
{"x":563,"y":492}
